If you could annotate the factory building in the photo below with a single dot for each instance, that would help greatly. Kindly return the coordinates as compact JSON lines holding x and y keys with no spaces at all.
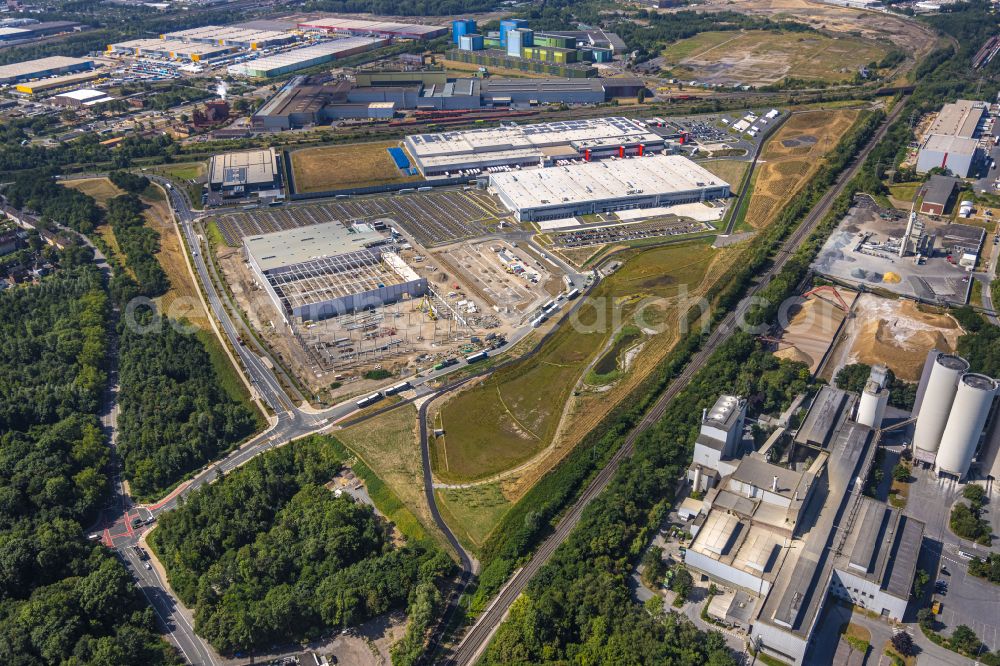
{"x":242,"y":173}
{"x":36,"y":69}
{"x":385,"y":29}
{"x":243,"y":38}
{"x":504,"y":92}
{"x":530,"y":145}
{"x":310,"y":56}
{"x":936,"y":195}
{"x":789,"y":528}
{"x":952,"y":141}
{"x":170,"y":49}
{"x":600,"y":187}
{"x":327,"y":270}
{"x":717,"y":448}
{"x":952,"y":407}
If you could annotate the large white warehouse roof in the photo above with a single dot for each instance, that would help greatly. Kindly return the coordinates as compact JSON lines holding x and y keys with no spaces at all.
{"x":599,"y":181}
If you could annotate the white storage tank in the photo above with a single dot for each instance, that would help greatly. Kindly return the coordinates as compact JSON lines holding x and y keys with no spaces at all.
{"x":871,"y":407}
{"x":936,"y":404}
{"x":969,"y":412}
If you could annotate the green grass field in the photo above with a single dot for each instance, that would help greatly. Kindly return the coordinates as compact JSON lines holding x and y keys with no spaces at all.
{"x":759,"y":57}
{"x":388,"y":445}
{"x":512,"y":415}
{"x":472,"y":513}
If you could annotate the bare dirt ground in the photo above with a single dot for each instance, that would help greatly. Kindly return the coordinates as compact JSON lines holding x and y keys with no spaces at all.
{"x":792,"y":157}
{"x":908,"y":36}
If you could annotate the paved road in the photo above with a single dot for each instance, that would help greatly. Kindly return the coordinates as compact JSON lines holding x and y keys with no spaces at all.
{"x":478,"y":636}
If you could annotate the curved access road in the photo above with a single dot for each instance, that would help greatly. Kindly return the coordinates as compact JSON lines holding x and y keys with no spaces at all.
{"x":477,"y":637}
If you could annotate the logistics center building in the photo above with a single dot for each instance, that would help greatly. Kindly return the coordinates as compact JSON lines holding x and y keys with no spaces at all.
{"x":612,"y":185}
{"x":359,"y":27}
{"x":449,"y":153}
{"x":36,"y":69}
{"x":326,"y":270}
{"x":310,"y":56}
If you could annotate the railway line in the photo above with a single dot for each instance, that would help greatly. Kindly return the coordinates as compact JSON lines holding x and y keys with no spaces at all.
{"x":476,"y":639}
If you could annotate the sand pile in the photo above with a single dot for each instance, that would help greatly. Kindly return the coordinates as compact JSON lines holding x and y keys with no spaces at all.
{"x":899,"y":335}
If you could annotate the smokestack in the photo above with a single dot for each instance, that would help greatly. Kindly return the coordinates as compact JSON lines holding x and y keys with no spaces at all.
{"x":704,"y":414}
{"x":641,"y":149}
{"x":774,"y":484}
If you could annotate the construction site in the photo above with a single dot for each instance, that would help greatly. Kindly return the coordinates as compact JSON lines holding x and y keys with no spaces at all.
{"x":907,"y":254}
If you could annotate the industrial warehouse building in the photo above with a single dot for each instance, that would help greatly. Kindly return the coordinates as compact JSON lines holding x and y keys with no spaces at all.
{"x":611,"y":185}
{"x":530,"y":145}
{"x":302,"y":101}
{"x":244,"y":38}
{"x":242,"y":173}
{"x":36,"y":69}
{"x":952,"y":141}
{"x":310,"y":56}
{"x":327,"y":270}
{"x":386,"y":29}
{"x":789,"y":528}
{"x":170,"y":49}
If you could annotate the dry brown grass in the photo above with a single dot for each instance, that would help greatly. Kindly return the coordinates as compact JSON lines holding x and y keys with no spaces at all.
{"x":785,"y":169}
{"x":101,"y":189}
{"x":340,"y":167}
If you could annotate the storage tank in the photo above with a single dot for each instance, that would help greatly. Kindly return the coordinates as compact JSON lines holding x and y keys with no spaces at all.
{"x":936,"y":404}
{"x":965,"y":424}
{"x":871,"y":408}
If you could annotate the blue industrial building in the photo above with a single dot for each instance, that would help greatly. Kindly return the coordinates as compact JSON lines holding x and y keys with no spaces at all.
{"x":462,"y":27}
{"x":507,"y":25}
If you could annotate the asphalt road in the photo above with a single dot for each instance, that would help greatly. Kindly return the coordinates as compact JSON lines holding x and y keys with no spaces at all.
{"x":478,"y":636}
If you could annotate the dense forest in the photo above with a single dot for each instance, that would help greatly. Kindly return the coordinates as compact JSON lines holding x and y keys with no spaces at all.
{"x":63,"y":599}
{"x":175,"y":415}
{"x":269,"y":554}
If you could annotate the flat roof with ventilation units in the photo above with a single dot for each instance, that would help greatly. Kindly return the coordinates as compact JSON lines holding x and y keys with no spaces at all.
{"x":245,"y":171}
{"x":378,"y":28}
{"x":609,"y":185}
{"x":36,"y":69}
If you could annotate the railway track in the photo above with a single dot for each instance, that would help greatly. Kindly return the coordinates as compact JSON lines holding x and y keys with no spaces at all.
{"x":478,"y":636}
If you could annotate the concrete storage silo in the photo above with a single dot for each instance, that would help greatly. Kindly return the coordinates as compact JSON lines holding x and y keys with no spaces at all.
{"x":938,"y":395}
{"x":969,"y":412}
{"x":871,"y":407}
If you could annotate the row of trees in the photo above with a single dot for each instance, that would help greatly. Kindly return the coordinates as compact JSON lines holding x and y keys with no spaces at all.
{"x":63,"y":599}
{"x":269,"y":554}
{"x":138,"y":243}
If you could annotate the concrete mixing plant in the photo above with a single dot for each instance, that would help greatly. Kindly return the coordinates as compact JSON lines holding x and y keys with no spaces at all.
{"x":936,"y":395}
{"x":969,"y":412}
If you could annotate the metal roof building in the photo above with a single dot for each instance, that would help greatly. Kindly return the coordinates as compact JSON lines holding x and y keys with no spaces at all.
{"x":377,"y":28}
{"x":961,"y":118}
{"x":954,"y":153}
{"x":529,"y":145}
{"x":36,"y":69}
{"x":244,"y":172}
{"x":326,"y":270}
{"x":310,"y":56}
{"x":543,"y":91}
{"x":594,"y":187}
{"x":232,"y":36}
{"x":170,"y":49}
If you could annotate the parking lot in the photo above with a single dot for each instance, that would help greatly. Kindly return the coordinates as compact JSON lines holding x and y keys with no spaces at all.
{"x":621,"y":233}
{"x":431,"y":218}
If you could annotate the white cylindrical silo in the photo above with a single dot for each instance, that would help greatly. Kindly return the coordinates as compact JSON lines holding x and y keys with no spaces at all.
{"x":965,"y":424}
{"x":938,"y":396}
{"x":871,"y":407}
